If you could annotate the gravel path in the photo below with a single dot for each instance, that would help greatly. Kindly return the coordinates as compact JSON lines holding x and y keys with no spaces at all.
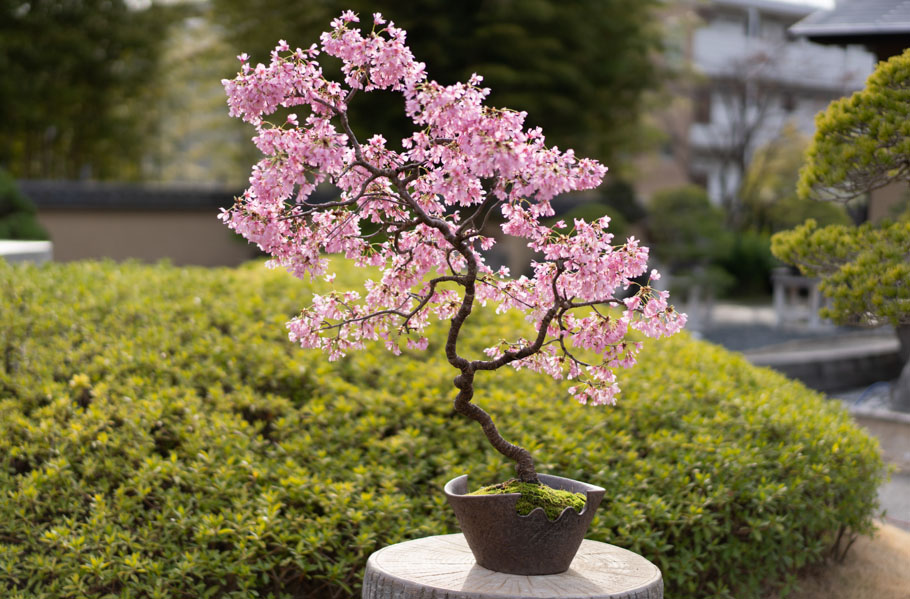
{"x":746,"y":336}
{"x":895,"y":499}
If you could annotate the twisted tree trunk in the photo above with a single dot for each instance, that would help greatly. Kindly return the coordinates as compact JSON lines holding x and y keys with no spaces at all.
{"x":464,"y":382}
{"x":524,"y":464}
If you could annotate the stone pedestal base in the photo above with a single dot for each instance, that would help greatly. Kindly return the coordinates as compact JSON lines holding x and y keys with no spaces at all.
{"x":443,"y":567}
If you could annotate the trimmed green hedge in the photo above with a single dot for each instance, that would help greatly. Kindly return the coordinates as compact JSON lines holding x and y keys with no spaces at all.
{"x":160,"y":437}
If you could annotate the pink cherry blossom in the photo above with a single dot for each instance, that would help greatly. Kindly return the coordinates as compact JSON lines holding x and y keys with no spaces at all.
{"x":464,"y":161}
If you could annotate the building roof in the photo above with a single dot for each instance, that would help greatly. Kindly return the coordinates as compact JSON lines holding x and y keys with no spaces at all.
{"x":789,"y":9}
{"x":125,"y":196}
{"x":857,"y":18}
{"x":116,"y":195}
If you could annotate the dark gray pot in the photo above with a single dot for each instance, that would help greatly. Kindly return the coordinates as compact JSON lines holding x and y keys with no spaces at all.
{"x":503,"y":541}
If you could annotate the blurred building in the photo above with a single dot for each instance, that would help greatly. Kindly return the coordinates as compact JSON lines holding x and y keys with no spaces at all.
{"x":882,"y":26}
{"x":742,"y":78}
{"x":94,"y":220}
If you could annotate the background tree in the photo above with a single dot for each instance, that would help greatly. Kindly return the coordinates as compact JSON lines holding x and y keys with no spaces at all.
{"x":768,"y":192}
{"x":193,"y":141}
{"x":689,"y":238}
{"x":75,"y":84}
{"x":734,"y":108}
{"x":578,"y":67}
{"x":769,"y":203}
{"x":861,"y":143}
{"x":18,"y":218}
{"x":749,"y":99}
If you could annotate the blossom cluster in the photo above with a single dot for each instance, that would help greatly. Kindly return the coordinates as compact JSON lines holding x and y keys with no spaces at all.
{"x":430,"y":199}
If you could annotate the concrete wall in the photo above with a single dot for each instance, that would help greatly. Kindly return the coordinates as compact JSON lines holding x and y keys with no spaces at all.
{"x":866,"y":359}
{"x":892,"y":429}
{"x":185,"y":237}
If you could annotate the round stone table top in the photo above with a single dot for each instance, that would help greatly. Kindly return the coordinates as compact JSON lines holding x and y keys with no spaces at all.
{"x":443,"y":566}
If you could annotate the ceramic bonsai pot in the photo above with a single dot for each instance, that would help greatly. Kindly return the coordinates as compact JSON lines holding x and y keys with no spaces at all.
{"x":503,"y":541}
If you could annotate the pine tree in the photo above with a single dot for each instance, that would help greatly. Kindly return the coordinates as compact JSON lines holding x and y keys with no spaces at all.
{"x":861,"y":143}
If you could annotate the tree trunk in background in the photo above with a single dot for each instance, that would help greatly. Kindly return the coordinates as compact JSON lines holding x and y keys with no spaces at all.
{"x":900,"y":393}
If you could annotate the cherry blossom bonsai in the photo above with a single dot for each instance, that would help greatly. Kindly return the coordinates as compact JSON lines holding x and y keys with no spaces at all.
{"x":433,"y":200}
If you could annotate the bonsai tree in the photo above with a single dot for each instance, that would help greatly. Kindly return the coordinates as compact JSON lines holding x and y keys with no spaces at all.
{"x":430,"y":199}
{"x":861,"y":143}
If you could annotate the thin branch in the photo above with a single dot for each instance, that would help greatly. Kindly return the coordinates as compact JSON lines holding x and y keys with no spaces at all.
{"x":486,"y":217}
{"x":295,"y":212}
{"x":405,"y":316}
{"x":408,"y":166}
{"x":488,"y":203}
{"x":512,"y":356}
{"x":505,"y":292}
{"x":594,"y":304}
{"x":562,"y":340}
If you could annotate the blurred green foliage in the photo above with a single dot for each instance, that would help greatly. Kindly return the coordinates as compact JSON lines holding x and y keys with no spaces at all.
{"x":621,"y":197}
{"x":18,"y":215}
{"x":749,"y":262}
{"x":160,"y":437}
{"x":76,"y":86}
{"x":616,"y":199}
{"x":578,"y":67}
{"x":592,"y":210}
{"x":689,"y":237}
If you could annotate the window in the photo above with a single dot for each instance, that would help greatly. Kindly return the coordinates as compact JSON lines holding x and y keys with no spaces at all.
{"x":731,"y":21}
{"x":772,"y":29}
{"x":702,"y":105}
{"x":699,"y":178}
{"x":788,"y":101}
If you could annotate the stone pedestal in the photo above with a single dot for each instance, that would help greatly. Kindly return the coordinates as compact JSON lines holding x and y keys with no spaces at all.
{"x":443,"y":567}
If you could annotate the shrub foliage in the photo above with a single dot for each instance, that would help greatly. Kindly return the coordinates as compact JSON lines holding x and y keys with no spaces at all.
{"x":159,"y":437}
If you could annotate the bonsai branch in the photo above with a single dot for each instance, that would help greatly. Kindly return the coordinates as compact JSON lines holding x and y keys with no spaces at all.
{"x":406,"y":317}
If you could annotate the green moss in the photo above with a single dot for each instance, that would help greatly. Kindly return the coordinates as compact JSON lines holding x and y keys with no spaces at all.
{"x":553,"y":501}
